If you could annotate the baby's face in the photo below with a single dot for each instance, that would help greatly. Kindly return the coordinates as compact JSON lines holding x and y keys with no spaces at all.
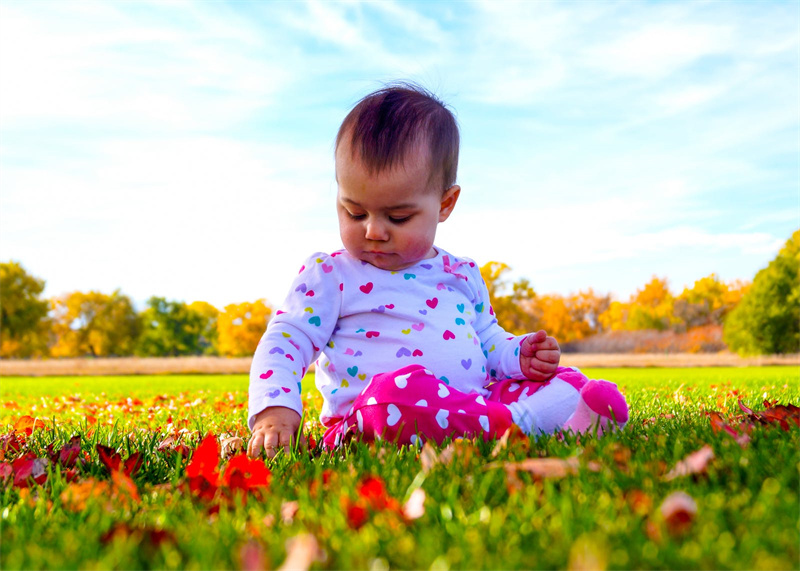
{"x":389,"y":219}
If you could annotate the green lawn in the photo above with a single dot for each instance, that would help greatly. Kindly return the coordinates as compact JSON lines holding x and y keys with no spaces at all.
{"x":478,"y":513}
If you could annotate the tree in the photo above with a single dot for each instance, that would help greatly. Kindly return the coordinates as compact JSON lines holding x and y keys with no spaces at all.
{"x":767,"y":320}
{"x":515,"y":312}
{"x":23,"y":314}
{"x":240,"y":327}
{"x":651,"y":307}
{"x":208,"y":331}
{"x":170,"y":328}
{"x":94,"y":324}
{"x":707,"y":302}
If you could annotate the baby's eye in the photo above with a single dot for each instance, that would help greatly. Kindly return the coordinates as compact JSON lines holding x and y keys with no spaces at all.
{"x":399,"y":219}
{"x":356,"y":216}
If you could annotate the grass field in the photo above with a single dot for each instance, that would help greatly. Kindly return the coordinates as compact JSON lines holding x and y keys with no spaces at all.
{"x":636,"y":499}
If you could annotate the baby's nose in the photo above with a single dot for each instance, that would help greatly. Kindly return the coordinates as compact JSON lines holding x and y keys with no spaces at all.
{"x":376,"y":231}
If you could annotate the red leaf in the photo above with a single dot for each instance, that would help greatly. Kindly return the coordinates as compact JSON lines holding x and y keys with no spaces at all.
{"x":133,"y":463}
{"x":357,"y":516}
{"x":679,"y":511}
{"x":109,"y":457}
{"x":745,"y":408}
{"x":68,"y":454}
{"x":204,"y":460}
{"x":6,"y":471}
{"x":245,"y":474}
{"x":29,"y":468}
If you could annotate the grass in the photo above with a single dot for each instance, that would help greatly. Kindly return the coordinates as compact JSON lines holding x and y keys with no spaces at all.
{"x":606,"y":514}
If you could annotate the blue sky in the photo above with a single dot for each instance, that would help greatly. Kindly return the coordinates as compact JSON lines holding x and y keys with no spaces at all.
{"x":184,"y":149}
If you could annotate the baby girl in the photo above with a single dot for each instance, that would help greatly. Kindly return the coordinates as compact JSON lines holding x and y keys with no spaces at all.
{"x":403,"y":333}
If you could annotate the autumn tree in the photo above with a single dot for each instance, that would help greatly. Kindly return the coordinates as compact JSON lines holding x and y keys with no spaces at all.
{"x":515,"y":312}
{"x":652,"y":307}
{"x":707,"y":302}
{"x":208,"y":330}
{"x":171,"y":328}
{"x":94,"y":324}
{"x":240,"y":327}
{"x":573,"y":317}
{"x":767,"y":320}
{"x":23,"y":314}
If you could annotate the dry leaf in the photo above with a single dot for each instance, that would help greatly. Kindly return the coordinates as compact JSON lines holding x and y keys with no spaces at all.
{"x":231,"y":446}
{"x":679,"y":511}
{"x":428,"y":457}
{"x":512,"y":437}
{"x":414,"y":508}
{"x":301,"y":551}
{"x":694,"y":463}
{"x":460,"y":449}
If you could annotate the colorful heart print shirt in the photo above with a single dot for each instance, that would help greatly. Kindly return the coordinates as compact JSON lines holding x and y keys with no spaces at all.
{"x":357,"y":321}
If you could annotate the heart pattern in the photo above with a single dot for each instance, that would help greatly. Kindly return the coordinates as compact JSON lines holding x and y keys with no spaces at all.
{"x":393,"y":415}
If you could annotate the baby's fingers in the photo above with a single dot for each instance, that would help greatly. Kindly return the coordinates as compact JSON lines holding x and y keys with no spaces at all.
{"x":255,"y":445}
{"x":551,"y":356}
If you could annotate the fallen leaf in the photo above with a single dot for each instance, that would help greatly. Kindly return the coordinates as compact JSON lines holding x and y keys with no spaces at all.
{"x":231,"y":446}
{"x":460,"y":449}
{"x":301,"y":551}
{"x":512,"y":437}
{"x":112,"y":460}
{"x":29,"y":468}
{"x":695,"y":463}
{"x":679,"y":511}
{"x":27,"y":424}
{"x":428,"y":457}
{"x":245,"y":474}
{"x":414,"y":508}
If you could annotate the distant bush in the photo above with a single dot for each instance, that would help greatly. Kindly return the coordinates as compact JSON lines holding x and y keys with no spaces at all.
{"x":705,"y":339}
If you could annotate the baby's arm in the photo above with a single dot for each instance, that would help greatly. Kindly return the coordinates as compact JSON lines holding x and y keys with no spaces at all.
{"x":539,"y":356}
{"x":292,"y":341}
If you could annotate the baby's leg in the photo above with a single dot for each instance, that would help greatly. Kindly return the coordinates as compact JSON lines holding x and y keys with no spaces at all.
{"x":569,"y":401}
{"x":411,"y":403}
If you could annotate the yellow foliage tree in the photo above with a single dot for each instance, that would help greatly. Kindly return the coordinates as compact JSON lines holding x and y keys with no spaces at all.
{"x":707,"y":302}
{"x":94,"y":324}
{"x":514,"y":312}
{"x":240,"y":327}
{"x":652,"y":307}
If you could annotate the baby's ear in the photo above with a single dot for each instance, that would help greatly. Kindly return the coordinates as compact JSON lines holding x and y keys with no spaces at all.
{"x":449,"y":199}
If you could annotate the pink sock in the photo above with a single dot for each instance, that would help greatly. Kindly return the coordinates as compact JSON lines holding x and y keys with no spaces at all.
{"x":601,"y":407}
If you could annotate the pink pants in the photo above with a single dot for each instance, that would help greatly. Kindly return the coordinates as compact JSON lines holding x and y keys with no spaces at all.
{"x":411,"y":403}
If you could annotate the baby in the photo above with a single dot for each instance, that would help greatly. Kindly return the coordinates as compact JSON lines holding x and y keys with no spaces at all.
{"x":403,"y":333}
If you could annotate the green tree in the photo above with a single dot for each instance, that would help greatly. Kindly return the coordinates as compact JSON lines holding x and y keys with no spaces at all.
{"x":23,"y":314}
{"x":94,"y":324}
{"x":170,"y":328}
{"x":767,"y":320}
{"x":208,"y":334}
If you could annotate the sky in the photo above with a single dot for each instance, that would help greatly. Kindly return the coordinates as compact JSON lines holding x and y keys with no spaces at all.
{"x":185,"y":149}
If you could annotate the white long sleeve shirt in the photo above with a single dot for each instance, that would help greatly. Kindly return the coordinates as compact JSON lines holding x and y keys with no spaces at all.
{"x":357,"y":321}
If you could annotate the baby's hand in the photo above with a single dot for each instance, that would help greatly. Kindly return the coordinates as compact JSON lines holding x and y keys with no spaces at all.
{"x":275,"y":428}
{"x":539,"y":356}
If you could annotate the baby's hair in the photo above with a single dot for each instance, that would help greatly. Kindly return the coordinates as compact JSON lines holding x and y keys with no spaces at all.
{"x":387,"y":124}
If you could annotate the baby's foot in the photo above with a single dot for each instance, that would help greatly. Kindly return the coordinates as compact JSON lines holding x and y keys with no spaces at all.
{"x":601,"y":407}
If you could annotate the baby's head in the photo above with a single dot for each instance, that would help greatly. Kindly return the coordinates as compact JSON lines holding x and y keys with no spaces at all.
{"x":396,"y":163}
